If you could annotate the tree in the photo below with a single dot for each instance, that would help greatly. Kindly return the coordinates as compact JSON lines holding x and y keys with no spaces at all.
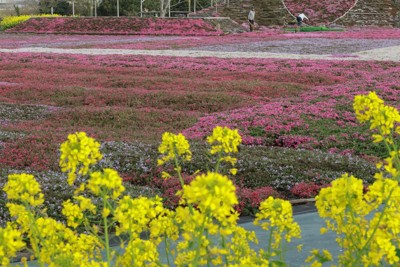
{"x":63,"y":8}
{"x":46,"y":5}
{"x":126,"y":8}
{"x":60,"y":7}
{"x":164,"y":6}
{"x":84,"y":7}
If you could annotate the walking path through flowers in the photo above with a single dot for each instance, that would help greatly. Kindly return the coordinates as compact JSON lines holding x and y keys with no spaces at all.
{"x":391,"y":53}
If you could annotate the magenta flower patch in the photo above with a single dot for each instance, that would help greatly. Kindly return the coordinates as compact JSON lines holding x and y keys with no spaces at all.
{"x":117,"y":25}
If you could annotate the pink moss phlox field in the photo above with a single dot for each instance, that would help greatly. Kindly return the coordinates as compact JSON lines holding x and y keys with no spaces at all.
{"x":282,"y":99}
{"x":184,"y":42}
{"x":116,"y":25}
{"x":280,"y":117}
{"x":320,"y":11}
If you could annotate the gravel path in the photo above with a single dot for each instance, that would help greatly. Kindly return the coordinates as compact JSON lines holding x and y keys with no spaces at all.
{"x":389,"y":53}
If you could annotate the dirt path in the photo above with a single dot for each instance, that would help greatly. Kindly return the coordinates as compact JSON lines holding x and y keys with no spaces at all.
{"x":391,"y":53}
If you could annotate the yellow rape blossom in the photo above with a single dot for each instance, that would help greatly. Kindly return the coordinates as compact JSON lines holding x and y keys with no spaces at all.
{"x":139,"y":253}
{"x":73,"y":213}
{"x":174,"y":146}
{"x":317,"y":258}
{"x":134,"y":215}
{"x":277,"y":214}
{"x":60,"y":244}
{"x":213,"y":193}
{"x":85,"y":204}
{"x":225,"y":140}
{"x":371,"y":108}
{"x":78,"y":153}
{"x":366,"y":106}
{"x":10,"y":243}
{"x":107,"y":183}
{"x":346,"y":208}
{"x":24,"y":188}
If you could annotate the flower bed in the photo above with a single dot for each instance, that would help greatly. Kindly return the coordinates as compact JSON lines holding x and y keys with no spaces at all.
{"x":117,"y":25}
{"x":203,"y":229}
{"x":131,"y":100}
{"x":320,"y":11}
{"x":294,"y":116}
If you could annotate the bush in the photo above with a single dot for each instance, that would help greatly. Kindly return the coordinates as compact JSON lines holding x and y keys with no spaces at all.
{"x":318,"y":29}
{"x":306,"y":190}
{"x":11,"y":21}
{"x":250,"y":199}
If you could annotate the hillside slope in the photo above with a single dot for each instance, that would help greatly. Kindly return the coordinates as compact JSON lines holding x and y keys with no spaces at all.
{"x":273,"y":12}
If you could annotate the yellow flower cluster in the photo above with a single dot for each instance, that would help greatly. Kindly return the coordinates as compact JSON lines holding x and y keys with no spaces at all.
{"x":381,"y":117}
{"x":10,"y":243}
{"x":51,"y":241}
{"x":78,"y":153}
{"x":225,"y":140}
{"x":210,"y":233}
{"x":61,"y":245}
{"x":75,"y":212}
{"x":24,"y":188}
{"x":212,"y":193}
{"x":276,"y":215}
{"x":203,"y":230}
{"x":11,"y":21}
{"x":106,"y":183}
{"x":317,"y":258}
{"x":386,"y":121}
{"x":134,"y":215}
{"x":346,"y":193}
{"x":173,"y":147}
{"x":367,"y":224}
{"x":365,"y":240}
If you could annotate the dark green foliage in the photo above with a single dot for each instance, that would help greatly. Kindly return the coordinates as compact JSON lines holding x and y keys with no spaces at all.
{"x":317,"y":29}
{"x":257,"y":166}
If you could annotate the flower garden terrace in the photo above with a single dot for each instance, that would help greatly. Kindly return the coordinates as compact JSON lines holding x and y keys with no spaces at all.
{"x":204,"y":228}
{"x":294,"y":115}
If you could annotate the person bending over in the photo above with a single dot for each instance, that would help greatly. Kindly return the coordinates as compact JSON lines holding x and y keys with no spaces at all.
{"x":300,"y":19}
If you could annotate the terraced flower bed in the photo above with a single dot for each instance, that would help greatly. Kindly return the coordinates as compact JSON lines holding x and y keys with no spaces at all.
{"x":117,"y":25}
{"x":295,"y":116}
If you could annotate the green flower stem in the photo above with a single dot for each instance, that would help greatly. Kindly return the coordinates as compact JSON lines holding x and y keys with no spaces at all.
{"x":379,"y":220}
{"x":107,"y":241}
{"x":36,"y":235}
{"x":200,"y":234}
{"x":270,"y":240}
{"x":350,"y":208}
{"x":282,"y":254}
{"x":396,"y":160}
{"x":224,"y":247}
{"x":218,"y":164}
{"x":208,"y":255}
{"x":167,"y":246}
{"x":178,"y":168}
